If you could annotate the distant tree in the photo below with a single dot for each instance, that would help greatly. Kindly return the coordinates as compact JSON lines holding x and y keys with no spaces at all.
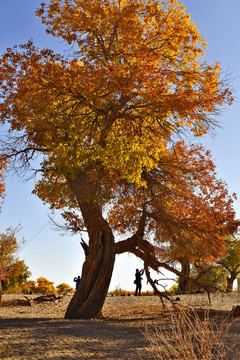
{"x":231,"y":263}
{"x":18,"y":277}
{"x":31,"y":286}
{"x":220,"y":274}
{"x":64,"y":288}
{"x":44,"y":286}
{"x":211,"y":276}
{"x":14,"y":271}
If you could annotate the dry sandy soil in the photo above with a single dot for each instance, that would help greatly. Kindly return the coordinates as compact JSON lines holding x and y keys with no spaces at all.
{"x":41,"y":332}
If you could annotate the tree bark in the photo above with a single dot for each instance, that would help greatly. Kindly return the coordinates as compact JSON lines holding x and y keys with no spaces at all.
{"x":0,"y":293}
{"x":184,"y":282}
{"x":97,"y":269}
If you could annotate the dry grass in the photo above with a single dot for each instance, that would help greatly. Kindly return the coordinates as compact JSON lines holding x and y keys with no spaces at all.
{"x":189,"y":337}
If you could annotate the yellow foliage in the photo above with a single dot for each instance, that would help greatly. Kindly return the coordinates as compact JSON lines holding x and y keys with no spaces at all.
{"x":135,"y":80}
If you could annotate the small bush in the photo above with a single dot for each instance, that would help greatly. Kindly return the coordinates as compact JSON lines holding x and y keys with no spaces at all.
{"x":188,"y":337}
{"x":173,"y":290}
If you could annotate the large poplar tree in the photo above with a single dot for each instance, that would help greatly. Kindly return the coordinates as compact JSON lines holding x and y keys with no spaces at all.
{"x":102,"y":119}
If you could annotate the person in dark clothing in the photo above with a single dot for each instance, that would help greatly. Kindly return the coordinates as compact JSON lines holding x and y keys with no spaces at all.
{"x":138,"y":282}
{"x":76,"y":279}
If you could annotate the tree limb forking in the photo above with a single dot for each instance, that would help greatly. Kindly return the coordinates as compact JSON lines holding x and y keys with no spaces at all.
{"x":144,"y":250}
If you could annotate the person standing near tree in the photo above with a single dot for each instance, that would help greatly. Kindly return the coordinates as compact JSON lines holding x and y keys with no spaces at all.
{"x":138,"y":282}
{"x":76,"y":279}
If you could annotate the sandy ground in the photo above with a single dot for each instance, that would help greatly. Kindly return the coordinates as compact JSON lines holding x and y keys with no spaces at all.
{"x":41,"y":332}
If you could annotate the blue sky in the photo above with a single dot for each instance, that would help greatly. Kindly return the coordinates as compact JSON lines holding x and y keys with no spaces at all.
{"x":59,"y":258}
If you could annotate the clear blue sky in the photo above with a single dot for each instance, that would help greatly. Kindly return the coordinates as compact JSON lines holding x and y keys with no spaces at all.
{"x":59,"y":258}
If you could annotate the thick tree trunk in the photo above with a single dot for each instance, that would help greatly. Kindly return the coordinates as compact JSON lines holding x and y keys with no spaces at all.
{"x":184,"y":282}
{"x":0,"y":293}
{"x":97,"y":269}
{"x":230,"y":281}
